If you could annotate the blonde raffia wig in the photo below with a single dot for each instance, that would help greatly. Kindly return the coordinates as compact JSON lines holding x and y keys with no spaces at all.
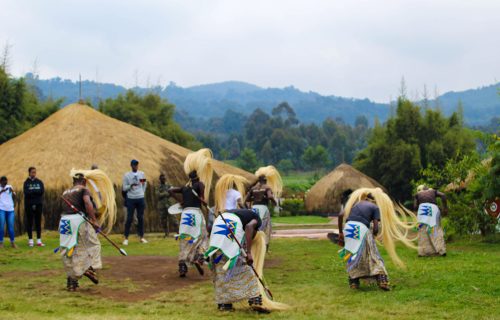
{"x":103,"y":194}
{"x":421,"y":187}
{"x":273,"y":179}
{"x":225,"y":183}
{"x":394,"y":227}
{"x":201,"y":162}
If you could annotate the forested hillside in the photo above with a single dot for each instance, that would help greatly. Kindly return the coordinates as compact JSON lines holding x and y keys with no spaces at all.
{"x":214,"y":100}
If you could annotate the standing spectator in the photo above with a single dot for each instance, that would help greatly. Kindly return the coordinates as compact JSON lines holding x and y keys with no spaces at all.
{"x":7,"y":197}
{"x":164,"y":202}
{"x":134,"y":184}
{"x":33,"y":205}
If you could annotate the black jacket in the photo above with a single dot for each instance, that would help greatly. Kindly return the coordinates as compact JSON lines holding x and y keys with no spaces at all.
{"x":33,"y":191}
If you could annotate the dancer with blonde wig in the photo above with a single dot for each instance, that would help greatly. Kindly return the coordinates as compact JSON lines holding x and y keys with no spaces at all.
{"x":236,"y":246}
{"x":228,"y":192}
{"x":79,"y":244}
{"x":268,"y":188}
{"x":193,"y":234}
{"x":365,"y":209}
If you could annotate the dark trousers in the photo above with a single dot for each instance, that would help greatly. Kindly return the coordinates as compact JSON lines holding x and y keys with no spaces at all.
{"x":168,"y":221}
{"x":132,"y":205}
{"x":33,"y":212}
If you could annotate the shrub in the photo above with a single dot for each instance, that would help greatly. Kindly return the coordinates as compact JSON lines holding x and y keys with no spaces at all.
{"x":294,"y":207}
{"x":466,"y":207}
{"x":449,"y":229}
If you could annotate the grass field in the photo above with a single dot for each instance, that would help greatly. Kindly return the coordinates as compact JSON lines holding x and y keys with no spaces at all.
{"x":300,"y":219}
{"x":307,"y":274}
{"x":299,"y":177}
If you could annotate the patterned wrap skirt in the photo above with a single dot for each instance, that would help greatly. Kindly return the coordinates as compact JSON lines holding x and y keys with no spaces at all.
{"x":236,"y":284}
{"x":87,"y":253}
{"x":189,"y":250}
{"x":266,"y":222}
{"x":370,"y":264}
{"x":431,"y":241}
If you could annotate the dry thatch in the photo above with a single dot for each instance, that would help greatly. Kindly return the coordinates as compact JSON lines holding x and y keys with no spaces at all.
{"x":78,"y":136}
{"x":325,"y":195}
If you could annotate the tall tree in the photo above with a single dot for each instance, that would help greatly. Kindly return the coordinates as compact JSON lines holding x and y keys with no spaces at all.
{"x":315,"y":157}
{"x":248,"y":160}
{"x":408,"y":143}
{"x":20,"y":109}
{"x":149,"y":112}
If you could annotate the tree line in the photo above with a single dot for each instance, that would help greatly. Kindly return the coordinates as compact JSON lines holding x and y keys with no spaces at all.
{"x":279,"y":138}
{"x":20,"y":106}
{"x":413,"y":140}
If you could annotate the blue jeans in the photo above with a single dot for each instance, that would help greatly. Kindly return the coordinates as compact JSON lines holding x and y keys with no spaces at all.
{"x":9,"y":217}
{"x":132,"y":205}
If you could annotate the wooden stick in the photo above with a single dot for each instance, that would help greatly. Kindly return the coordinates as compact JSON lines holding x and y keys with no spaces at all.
{"x":99,"y":231}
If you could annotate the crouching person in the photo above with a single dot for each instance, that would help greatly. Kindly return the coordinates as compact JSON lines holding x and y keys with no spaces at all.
{"x":234,"y":242}
{"x":364,"y":208}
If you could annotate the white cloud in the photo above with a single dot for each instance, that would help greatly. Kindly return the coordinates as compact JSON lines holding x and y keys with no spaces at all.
{"x":348,"y":48}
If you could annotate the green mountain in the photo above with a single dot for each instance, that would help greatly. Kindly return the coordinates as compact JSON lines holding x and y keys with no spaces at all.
{"x":213,"y":100}
{"x":480,"y":105}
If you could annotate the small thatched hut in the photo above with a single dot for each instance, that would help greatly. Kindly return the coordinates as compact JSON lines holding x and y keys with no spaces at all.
{"x":78,"y":136}
{"x":325,"y":195}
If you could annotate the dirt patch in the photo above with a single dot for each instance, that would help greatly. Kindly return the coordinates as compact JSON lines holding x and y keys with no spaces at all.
{"x":135,"y":278}
{"x":272,"y":263}
{"x":147,"y":276}
{"x":30,"y":274}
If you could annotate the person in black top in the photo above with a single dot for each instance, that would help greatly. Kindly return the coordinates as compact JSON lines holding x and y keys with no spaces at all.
{"x":191,"y":250}
{"x":192,"y":194}
{"x":33,"y":190}
{"x":259,"y":198}
{"x":85,"y":257}
{"x":246,"y":216}
{"x":365,"y":212}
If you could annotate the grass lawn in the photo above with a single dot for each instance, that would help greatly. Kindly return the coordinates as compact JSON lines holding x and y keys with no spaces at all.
{"x":298,"y":177}
{"x":307,"y":274}
{"x":300,"y":219}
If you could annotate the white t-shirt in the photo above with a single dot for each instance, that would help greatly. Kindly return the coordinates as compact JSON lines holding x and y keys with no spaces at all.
{"x":232,"y":197}
{"x":6,"y":201}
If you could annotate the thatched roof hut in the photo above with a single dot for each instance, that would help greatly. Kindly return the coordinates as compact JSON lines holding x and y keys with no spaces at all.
{"x":325,"y":195}
{"x":78,"y":136}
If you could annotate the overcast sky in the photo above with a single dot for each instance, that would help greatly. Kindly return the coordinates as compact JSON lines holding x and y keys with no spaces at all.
{"x":337,"y":47}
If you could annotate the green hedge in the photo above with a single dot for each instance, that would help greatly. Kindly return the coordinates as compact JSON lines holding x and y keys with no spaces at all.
{"x":292,"y":207}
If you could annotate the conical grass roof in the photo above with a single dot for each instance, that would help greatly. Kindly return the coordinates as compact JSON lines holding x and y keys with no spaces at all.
{"x":78,"y":136}
{"x":325,"y":195}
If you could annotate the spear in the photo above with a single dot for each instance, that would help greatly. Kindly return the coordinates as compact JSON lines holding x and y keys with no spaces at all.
{"x":99,"y":231}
